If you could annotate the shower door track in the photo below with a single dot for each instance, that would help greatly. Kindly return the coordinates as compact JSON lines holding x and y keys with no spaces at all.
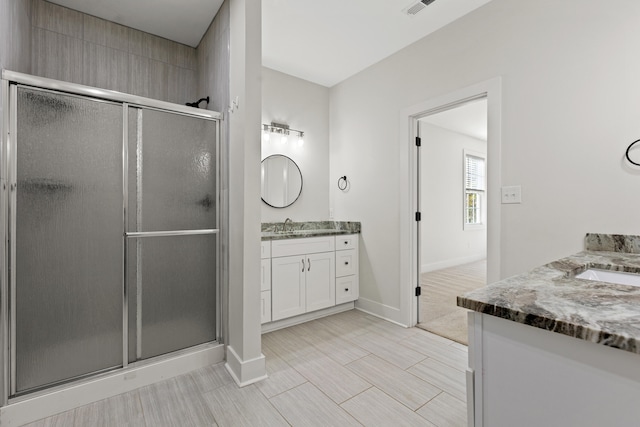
{"x":7,"y":188}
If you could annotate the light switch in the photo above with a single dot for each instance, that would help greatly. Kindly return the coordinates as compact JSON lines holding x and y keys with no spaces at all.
{"x":512,"y":194}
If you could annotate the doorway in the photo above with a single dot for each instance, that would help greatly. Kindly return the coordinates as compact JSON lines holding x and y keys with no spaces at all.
{"x":453,"y":194}
{"x":410,"y":267}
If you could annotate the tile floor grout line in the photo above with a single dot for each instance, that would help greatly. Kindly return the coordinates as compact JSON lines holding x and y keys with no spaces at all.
{"x":284,"y":391}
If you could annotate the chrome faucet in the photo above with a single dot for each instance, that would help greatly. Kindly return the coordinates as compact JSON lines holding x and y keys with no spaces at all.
{"x":284,"y":224}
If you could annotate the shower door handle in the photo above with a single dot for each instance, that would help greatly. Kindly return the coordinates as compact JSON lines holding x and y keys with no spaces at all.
{"x":136,"y":234}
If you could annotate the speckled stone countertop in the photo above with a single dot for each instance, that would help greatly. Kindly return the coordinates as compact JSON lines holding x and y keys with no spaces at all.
{"x":550,"y":297}
{"x":298,"y":230}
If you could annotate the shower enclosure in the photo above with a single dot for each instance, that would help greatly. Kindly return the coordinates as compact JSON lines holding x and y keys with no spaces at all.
{"x":110,"y":218}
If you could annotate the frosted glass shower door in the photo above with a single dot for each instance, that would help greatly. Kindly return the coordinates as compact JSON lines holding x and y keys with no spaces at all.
{"x":67,"y":247}
{"x":172,"y":226}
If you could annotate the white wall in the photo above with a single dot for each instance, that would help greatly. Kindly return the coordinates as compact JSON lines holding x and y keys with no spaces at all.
{"x":304,"y":106}
{"x":444,"y":242}
{"x":571,"y":102}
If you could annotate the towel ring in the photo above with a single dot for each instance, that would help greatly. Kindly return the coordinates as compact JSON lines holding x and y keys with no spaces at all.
{"x":341,"y":185}
{"x":627,"y":152}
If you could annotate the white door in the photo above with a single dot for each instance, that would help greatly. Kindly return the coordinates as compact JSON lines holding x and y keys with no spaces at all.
{"x":288,"y":294}
{"x":321,"y":280}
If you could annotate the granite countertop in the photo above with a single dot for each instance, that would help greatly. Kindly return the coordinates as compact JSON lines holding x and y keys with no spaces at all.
{"x":298,"y":230}
{"x":550,"y":297}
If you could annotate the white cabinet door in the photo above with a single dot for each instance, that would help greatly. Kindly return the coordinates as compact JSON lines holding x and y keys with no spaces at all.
{"x":265,"y":302}
{"x":321,"y":280}
{"x":265,"y":275}
{"x":288,"y":294}
{"x":265,"y":249}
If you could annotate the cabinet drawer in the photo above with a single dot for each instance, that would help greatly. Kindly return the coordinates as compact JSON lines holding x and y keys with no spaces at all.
{"x":347,"y":241}
{"x":265,"y":249}
{"x":311,"y":245}
{"x":346,"y":262}
{"x":265,"y":275}
{"x":265,"y":303}
{"x":347,"y":289}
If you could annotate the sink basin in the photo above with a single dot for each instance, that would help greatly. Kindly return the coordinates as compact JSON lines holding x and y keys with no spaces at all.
{"x":619,"y":277}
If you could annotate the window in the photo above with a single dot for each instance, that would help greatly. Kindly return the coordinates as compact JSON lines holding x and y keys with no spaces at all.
{"x":474,"y":189}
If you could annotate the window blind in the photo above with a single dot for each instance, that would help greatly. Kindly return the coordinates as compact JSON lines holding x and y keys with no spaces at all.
{"x":474,"y":173}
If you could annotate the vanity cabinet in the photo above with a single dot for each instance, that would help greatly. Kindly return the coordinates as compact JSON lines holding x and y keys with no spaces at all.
{"x":309,"y":274}
{"x":302,"y":276}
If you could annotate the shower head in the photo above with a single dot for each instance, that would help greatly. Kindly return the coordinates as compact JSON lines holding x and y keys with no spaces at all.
{"x":197,"y":103}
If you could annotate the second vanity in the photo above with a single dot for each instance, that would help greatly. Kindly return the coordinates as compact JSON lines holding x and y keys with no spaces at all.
{"x":308,"y":271}
{"x":559,"y":345}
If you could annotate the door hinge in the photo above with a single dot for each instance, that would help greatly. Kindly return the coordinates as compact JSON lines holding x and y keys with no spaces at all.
{"x":418,"y":291}
{"x":418,"y":141}
{"x":418,"y":216}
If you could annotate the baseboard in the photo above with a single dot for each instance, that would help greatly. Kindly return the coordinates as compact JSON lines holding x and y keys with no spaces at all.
{"x":296,"y":320}
{"x":383,"y":318}
{"x":245,"y":372}
{"x":28,"y":409}
{"x":383,"y":311}
{"x":438,"y":265}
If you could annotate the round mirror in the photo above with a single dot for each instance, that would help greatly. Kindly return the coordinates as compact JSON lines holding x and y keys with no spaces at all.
{"x":281,"y":181}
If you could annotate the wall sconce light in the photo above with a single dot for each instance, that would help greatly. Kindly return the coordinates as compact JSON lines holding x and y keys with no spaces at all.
{"x":283,"y":130}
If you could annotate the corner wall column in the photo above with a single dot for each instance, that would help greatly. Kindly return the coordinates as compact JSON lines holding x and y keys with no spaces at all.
{"x":245,"y":361}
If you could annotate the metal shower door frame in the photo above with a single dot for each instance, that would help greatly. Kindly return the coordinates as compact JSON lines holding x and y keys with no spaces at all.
{"x":8,"y":92}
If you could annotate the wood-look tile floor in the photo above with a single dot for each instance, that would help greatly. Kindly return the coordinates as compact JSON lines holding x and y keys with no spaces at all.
{"x":439,"y":312}
{"x":347,"y":369}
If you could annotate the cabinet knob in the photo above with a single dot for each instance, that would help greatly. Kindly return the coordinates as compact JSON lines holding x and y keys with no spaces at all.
{"x":346,"y":263}
{"x":346,"y":242}
{"x":346,"y":289}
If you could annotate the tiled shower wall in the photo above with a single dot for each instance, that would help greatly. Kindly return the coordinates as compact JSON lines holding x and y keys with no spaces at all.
{"x":79,"y":48}
{"x":213,"y":61}
{"x":213,"y":81}
{"x":15,"y":35}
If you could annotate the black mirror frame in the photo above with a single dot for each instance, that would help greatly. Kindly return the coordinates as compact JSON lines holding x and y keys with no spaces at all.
{"x":301,"y":181}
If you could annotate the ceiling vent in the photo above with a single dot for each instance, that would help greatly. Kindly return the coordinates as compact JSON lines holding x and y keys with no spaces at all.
{"x":416,"y":7}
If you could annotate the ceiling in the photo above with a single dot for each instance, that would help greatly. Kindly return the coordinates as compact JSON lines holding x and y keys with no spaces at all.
{"x":469,"y":119}
{"x":327,"y":41}
{"x":324,"y":42}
